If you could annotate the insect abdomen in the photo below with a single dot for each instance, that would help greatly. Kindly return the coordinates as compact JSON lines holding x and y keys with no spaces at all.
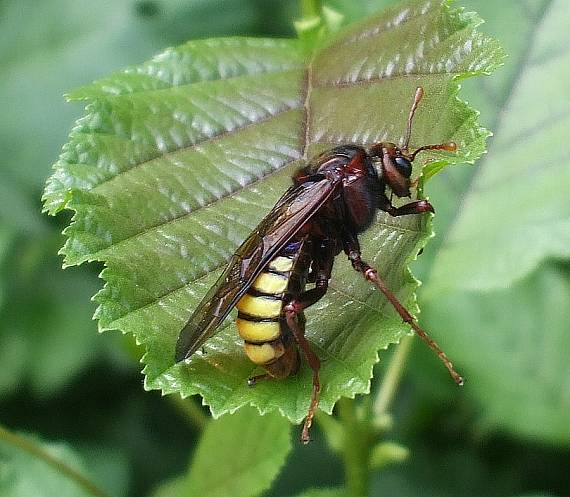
{"x":259,"y":316}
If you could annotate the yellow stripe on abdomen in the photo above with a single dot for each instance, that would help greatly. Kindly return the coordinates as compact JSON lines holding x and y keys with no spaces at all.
{"x":259,"y":306}
{"x":271,"y":283}
{"x":264,"y":353}
{"x":282,"y":264}
{"x":258,"y":331}
{"x":259,"y":314}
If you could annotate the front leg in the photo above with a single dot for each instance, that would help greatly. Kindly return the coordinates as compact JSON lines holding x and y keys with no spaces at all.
{"x":416,"y":207}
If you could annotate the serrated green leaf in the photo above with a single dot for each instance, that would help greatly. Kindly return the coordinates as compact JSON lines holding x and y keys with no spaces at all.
{"x":23,"y":475}
{"x":49,"y":47}
{"x":238,"y":455}
{"x":525,"y":177}
{"x":177,"y":160}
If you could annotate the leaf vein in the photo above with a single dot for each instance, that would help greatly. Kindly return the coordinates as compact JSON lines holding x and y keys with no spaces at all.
{"x":209,"y":139}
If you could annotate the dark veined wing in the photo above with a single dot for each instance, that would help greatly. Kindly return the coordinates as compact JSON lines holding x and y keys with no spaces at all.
{"x":292,"y":210}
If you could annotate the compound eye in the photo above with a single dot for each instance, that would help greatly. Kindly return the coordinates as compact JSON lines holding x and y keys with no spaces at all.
{"x":404,"y":166}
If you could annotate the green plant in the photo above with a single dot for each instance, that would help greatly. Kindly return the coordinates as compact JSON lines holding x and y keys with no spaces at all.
{"x":176,"y":160}
{"x":509,"y":343}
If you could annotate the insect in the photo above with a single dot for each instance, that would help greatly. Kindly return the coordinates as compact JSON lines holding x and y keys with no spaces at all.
{"x":333,"y":199}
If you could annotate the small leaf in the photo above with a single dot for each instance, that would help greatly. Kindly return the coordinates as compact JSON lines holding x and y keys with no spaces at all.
{"x":23,"y":475}
{"x":520,"y":368}
{"x":238,"y":455}
{"x":525,"y":177}
{"x":176,"y":161}
{"x":386,"y":453}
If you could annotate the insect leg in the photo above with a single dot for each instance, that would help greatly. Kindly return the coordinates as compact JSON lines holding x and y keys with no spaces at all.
{"x":292,"y":310}
{"x":417,"y":207}
{"x":370,"y":274}
{"x":314,"y":364}
{"x":254,"y":380}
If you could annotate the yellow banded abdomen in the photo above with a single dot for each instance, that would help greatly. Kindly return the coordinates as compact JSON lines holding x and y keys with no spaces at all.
{"x":259,"y":318}
{"x":271,"y":283}
{"x":263,"y":353}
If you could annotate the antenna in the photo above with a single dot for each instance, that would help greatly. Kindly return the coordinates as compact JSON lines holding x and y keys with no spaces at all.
{"x":417,"y":98}
{"x":449,"y":147}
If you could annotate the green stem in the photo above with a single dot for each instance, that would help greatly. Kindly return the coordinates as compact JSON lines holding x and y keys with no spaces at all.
{"x":357,"y":445}
{"x":190,"y":410}
{"x":35,"y":450}
{"x":360,"y":432}
{"x":310,"y":8}
{"x":392,"y":377}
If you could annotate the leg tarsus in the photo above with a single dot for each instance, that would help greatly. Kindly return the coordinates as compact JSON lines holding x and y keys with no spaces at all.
{"x":293,"y":310}
{"x":314,"y":364}
{"x":254,"y":380}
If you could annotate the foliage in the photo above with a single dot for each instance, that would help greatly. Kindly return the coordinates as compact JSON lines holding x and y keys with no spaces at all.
{"x":238,"y":455}
{"x":525,"y":153}
{"x":504,"y":317}
{"x":460,"y":443}
{"x":24,"y":474}
{"x":176,"y":161}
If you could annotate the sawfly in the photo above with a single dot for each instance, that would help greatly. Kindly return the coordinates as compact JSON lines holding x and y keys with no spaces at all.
{"x":333,"y":199}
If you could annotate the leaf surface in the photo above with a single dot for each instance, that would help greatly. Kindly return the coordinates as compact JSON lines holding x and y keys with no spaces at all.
{"x":499,"y":348}
{"x":238,"y":455}
{"x":177,"y":160}
{"x":520,"y":364}
{"x":44,"y":342}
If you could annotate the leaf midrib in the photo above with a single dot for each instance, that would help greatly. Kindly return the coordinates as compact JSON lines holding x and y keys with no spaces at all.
{"x":306,"y":91}
{"x":305,"y":130}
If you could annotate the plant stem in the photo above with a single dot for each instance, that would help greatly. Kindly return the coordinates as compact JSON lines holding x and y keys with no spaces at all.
{"x":357,"y":445}
{"x":37,"y":451}
{"x":360,"y":433}
{"x":190,"y":410}
{"x":310,"y":8}
{"x":392,"y":377}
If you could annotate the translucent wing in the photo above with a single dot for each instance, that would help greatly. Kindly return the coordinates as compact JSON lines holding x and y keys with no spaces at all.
{"x":294,"y":208}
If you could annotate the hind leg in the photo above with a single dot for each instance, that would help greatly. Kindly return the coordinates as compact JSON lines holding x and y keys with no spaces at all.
{"x":314,"y":362}
{"x":296,"y":322}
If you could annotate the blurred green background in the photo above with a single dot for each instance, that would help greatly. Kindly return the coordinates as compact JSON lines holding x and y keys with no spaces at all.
{"x":507,"y":434}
